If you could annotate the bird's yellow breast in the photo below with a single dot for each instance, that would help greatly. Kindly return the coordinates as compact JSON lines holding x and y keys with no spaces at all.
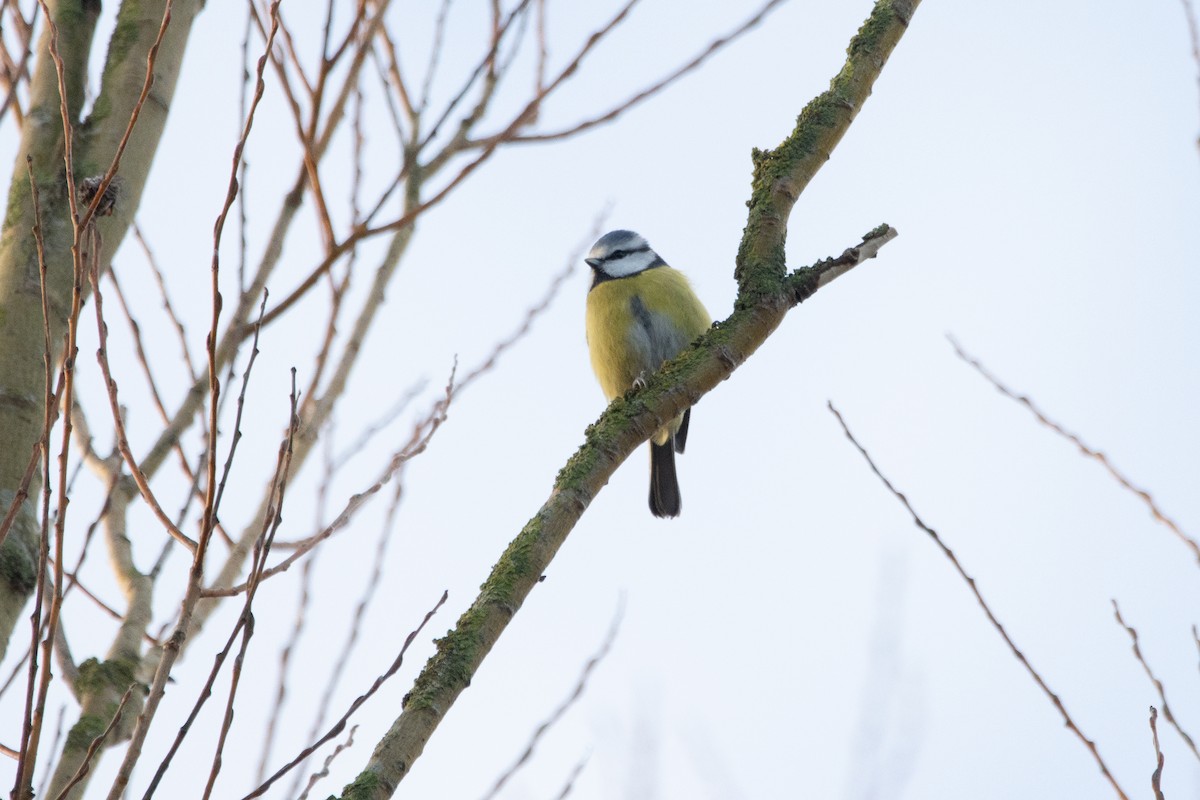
{"x":636,"y":323}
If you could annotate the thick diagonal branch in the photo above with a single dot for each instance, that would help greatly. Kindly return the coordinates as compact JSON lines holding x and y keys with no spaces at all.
{"x":766,"y":293}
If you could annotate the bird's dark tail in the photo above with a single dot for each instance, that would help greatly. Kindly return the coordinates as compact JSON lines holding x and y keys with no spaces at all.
{"x":664,"y":486}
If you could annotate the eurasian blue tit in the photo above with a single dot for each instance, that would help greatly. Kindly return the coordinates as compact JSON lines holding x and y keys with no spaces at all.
{"x":640,"y":314}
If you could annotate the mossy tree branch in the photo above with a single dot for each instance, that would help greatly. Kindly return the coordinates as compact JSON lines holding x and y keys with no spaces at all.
{"x":766,"y":292}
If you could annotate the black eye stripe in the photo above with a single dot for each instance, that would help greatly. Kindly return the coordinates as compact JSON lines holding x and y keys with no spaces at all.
{"x":617,"y":254}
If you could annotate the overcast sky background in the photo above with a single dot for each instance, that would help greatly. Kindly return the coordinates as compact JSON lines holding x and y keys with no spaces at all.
{"x":792,"y":634}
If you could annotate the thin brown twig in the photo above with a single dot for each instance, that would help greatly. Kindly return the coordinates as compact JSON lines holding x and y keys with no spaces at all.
{"x":300,"y":620}
{"x":543,"y":52}
{"x":262,"y":549}
{"x":210,"y":504}
{"x":35,"y":711}
{"x":245,"y":619}
{"x":564,"y":706}
{"x":371,"y":430}
{"x":165,"y":296}
{"x":170,"y":652}
{"x":1088,"y":451}
{"x":480,"y":68}
{"x":20,"y":70}
{"x":94,"y":746}
{"x":435,"y":55}
{"x":139,"y":348}
{"x":1196,"y":637}
{"x":422,"y":433}
{"x":652,"y":90}
{"x":122,"y":439}
{"x":352,"y":33}
{"x":1189,"y":13}
{"x":241,"y":405}
{"x":1156,"y":776}
{"x":360,"y":612}
{"x":285,"y":35}
{"x":317,"y":776}
{"x":383,"y":75}
{"x":946,"y":551}
{"x":58,"y":734}
{"x":340,"y":725}
{"x":574,"y":776}
{"x":285,"y":660}
{"x":1158,"y":685}
{"x":360,"y":233}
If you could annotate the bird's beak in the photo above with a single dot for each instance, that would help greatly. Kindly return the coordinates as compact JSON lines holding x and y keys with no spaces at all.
{"x":594,"y":263}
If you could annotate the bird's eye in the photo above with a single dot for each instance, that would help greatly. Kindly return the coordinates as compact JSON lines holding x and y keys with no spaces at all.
{"x":617,"y":254}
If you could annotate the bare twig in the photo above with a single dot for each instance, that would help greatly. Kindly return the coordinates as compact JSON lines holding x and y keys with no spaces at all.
{"x":1156,"y":776}
{"x":1189,"y":13}
{"x":262,"y":549}
{"x":285,"y":660}
{"x":168,"y":655}
{"x":316,"y":777}
{"x":421,"y":436}
{"x":241,"y":405}
{"x":245,"y":620}
{"x":1037,"y":678}
{"x":563,"y":707}
{"x":1158,"y":685}
{"x":435,"y":55}
{"x":360,"y":612}
{"x":95,"y":744}
{"x":1117,"y":475}
{"x":340,"y":725}
{"x":652,"y":90}
{"x":574,"y":776}
{"x":34,"y":711}
{"x":135,"y":470}
{"x":58,"y":734}
{"x":387,"y":418}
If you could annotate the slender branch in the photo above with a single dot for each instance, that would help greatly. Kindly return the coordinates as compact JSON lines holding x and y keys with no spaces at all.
{"x":1189,"y":13}
{"x":34,"y":711}
{"x":245,"y":620}
{"x":1158,"y":685}
{"x":1088,"y":451}
{"x":262,"y":549}
{"x":94,"y":746}
{"x":316,"y":777}
{"x":574,"y":776}
{"x":340,"y":725}
{"x":946,"y":551}
{"x":564,"y":706}
{"x":1156,"y":776}
{"x":167,"y":656}
{"x":421,"y":436}
{"x":650,"y":91}
{"x":135,"y":470}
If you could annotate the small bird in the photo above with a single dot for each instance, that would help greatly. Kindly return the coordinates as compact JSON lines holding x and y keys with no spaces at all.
{"x":640,"y":314}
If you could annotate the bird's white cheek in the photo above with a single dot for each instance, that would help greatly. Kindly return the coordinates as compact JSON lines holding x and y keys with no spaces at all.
{"x":629,"y":265}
